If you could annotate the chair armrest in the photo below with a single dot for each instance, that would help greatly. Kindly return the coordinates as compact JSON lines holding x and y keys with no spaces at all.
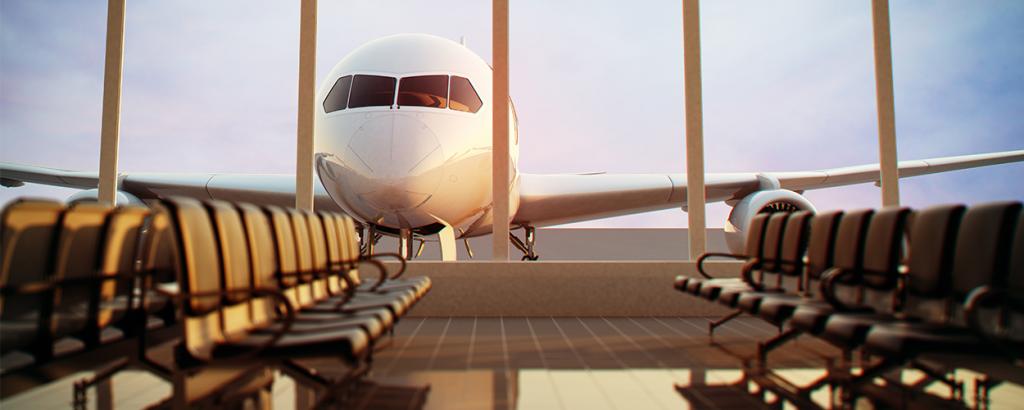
{"x":401,"y":261}
{"x":747,"y":272}
{"x":706,"y":255}
{"x":350,"y":292}
{"x":381,"y":268}
{"x":828,"y":290}
{"x":987,"y":296}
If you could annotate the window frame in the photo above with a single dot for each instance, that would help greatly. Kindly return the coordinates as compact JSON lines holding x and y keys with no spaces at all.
{"x":448,"y":90}
{"x":472,"y":86}
{"x":328,"y":95}
{"x":394,"y":92}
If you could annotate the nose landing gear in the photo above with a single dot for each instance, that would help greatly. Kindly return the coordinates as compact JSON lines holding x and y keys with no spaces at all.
{"x":528,"y":247}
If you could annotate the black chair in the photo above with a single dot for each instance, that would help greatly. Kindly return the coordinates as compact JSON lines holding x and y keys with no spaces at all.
{"x":979,"y":326}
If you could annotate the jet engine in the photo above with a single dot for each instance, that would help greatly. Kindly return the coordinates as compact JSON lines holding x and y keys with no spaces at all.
{"x":773,"y":200}
{"x":91,"y":195}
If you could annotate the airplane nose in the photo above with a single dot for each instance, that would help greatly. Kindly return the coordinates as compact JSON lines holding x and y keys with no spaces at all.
{"x":402,"y":161}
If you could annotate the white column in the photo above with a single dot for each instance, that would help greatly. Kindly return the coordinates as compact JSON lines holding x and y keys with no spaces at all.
{"x":889,"y":179}
{"x":307,"y":92}
{"x":111,"y":123}
{"x":694,"y":128}
{"x":499,"y":152}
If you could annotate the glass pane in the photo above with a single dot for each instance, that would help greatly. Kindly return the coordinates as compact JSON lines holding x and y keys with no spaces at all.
{"x":338,"y":97}
{"x":424,"y":91}
{"x":464,"y":97}
{"x":372,"y":91}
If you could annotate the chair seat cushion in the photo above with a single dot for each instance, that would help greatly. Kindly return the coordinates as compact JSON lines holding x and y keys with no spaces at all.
{"x":680,"y":282}
{"x":712,"y":288}
{"x":849,"y":329}
{"x":419,"y":284}
{"x":321,"y":323}
{"x":380,"y":314}
{"x":406,"y":295}
{"x":750,"y":302}
{"x":351,"y":342}
{"x":811,"y":316}
{"x":778,"y":308}
{"x":729,"y":296}
{"x":16,"y":334}
{"x":912,"y":338}
{"x":395,"y":306}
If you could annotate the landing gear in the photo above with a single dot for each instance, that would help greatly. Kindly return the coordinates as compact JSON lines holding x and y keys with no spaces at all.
{"x":405,"y":243}
{"x":528,"y":248}
{"x":368,"y":240}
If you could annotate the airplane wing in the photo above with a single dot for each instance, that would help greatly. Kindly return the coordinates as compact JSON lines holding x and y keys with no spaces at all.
{"x":263,"y":189}
{"x":556,"y":199}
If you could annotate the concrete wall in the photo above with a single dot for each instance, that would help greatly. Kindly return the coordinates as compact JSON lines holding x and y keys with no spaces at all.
{"x":620,"y":288}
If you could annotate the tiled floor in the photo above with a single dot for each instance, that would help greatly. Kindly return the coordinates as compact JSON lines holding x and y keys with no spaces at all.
{"x":550,"y":363}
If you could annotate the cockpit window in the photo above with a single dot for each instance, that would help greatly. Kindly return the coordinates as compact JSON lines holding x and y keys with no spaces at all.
{"x":338,"y":97}
{"x":372,"y":91}
{"x":464,"y":96}
{"x":423,"y":91}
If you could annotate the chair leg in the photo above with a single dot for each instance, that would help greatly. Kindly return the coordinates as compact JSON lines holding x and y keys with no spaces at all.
{"x":102,"y":382}
{"x":866,"y":376}
{"x":721,"y":321}
{"x":771,"y":344}
{"x":932,"y":374}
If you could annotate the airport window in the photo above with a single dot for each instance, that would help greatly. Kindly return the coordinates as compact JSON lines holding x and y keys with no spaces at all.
{"x":424,"y":91}
{"x":372,"y":91}
{"x":338,"y":97}
{"x":464,"y":96}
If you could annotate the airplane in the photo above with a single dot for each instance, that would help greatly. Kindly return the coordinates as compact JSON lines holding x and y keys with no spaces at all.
{"x":402,"y":143}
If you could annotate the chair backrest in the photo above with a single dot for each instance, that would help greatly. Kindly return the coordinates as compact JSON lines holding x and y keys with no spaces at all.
{"x":29,"y":233}
{"x":160,"y":261}
{"x":772,"y":245}
{"x":1015,"y":285}
{"x":349,"y":228}
{"x":350,"y":246}
{"x":318,"y":246}
{"x":287,"y":259}
{"x":121,"y":250}
{"x":263,"y":259}
{"x":983,"y":246}
{"x":883,"y":250}
{"x":78,"y":257}
{"x":848,"y":253}
{"x":849,"y":244}
{"x":1015,"y":275}
{"x":883,"y":244}
{"x":820,"y":245}
{"x":200,"y":273}
{"x":236,"y":267}
{"x":930,"y":262}
{"x":304,"y":253}
{"x":794,"y":247}
{"x":334,"y":250}
{"x":755,"y":235}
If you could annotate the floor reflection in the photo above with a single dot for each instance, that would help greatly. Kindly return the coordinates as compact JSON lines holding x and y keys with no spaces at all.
{"x":626,"y":389}
{"x":556,"y":363}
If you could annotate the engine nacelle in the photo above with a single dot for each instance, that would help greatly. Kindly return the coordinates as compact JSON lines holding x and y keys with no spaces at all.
{"x":92,"y":195}
{"x":774,"y":200}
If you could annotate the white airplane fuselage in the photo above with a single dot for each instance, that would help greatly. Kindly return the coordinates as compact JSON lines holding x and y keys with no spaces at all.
{"x":409,"y":166}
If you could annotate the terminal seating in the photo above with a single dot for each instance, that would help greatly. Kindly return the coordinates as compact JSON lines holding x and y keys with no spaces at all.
{"x":935,"y":290}
{"x":208,"y":295}
{"x":774,"y":259}
{"x":70,"y":294}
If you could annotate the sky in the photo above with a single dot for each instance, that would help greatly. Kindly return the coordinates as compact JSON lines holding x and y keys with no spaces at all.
{"x":598,"y":86}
